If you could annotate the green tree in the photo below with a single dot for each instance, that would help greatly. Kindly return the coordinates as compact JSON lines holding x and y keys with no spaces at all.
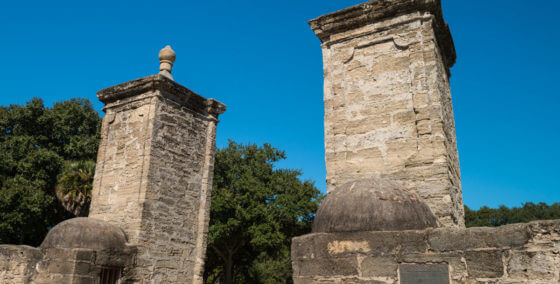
{"x":489,"y":217}
{"x":256,"y":210}
{"x":74,"y":186}
{"x":36,"y":142}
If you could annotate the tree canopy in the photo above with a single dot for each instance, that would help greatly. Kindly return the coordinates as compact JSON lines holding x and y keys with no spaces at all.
{"x":489,"y":217}
{"x":37,"y":143}
{"x":256,"y":210}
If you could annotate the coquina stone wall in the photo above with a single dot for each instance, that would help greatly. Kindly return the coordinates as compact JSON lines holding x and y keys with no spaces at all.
{"x":77,"y":265}
{"x":17,"y":263}
{"x":517,"y":253}
{"x":388,"y":107}
{"x":154,"y":175}
{"x":24,"y":264}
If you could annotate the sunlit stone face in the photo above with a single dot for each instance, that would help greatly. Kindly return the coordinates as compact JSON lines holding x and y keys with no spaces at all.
{"x":388,"y":106}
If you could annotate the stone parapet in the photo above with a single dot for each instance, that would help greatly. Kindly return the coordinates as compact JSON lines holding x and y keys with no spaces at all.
{"x":517,"y":253}
{"x":150,"y":84}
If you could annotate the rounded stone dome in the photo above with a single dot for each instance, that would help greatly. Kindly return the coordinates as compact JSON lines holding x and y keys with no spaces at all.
{"x":85,"y":233}
{"x":373,"y":204}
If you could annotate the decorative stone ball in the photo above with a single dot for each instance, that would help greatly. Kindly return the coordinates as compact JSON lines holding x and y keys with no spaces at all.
{"x":85,"y":233}
{"x":373,"y":204}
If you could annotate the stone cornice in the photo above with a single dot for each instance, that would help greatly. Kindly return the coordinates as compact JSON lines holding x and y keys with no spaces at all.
{"x":166,"y":85}
{"x":376,"y":10}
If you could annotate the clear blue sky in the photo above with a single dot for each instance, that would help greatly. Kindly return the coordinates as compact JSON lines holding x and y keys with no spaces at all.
{"x":261,"y":59}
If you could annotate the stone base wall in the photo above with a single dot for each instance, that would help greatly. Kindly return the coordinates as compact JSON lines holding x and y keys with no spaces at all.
{"x":79,"y":265}
{"x":517,"y":253}
{"x":24,"y":264}
{"x":17,"y":263}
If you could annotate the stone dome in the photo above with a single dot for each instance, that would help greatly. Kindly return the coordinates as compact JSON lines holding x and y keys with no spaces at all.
{"x":85,"y":233}
{"x":373,"y":204}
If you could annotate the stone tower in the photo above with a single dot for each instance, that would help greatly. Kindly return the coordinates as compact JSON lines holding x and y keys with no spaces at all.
{"x":388,"y":108}
{"x":389,"y":138}
{"x":154,"y":173}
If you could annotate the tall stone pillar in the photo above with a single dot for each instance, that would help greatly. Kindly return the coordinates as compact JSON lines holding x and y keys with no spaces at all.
{"x":154,"y":173}
{"x":387,"y":101}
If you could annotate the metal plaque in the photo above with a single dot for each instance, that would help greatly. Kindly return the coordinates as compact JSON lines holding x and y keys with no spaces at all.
{"x":412,"y":273}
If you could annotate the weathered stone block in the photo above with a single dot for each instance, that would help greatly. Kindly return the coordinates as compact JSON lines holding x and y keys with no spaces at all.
{"x":454,"y":259}
{"x":449,"y":239}
{"x":457,"y":239}
{"x":84,"y":255}
{"x":383,"y":243}
{"x":536,"y":265}
{"x":60,"y":266}
{"x":85,"y":280}
{"x":424,"y":273}
{"x":83,"y":268}
{"x":485,"y":264}
{"x":340,"y":266}
{"x":379,"y":267}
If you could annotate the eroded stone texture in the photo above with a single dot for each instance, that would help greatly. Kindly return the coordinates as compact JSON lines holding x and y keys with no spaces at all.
{"x":518,"y":253}
{"x":387,"y":100}
{"x":79,"y":265}
{"x":17,"y":263}
{"x":78,"y":249}
{"x":47,"y":265}
{"x":154,"y":175}
{"x":372,"y":204}
{"x":86,"y":233}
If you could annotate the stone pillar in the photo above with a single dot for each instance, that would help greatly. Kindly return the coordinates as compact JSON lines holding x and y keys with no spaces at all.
{"x":154,"y":173}
{"x":387,"y":101}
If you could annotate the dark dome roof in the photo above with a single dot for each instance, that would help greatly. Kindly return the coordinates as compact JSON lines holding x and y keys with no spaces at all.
{"x":85,"y":233}
{"x":372,"y":205}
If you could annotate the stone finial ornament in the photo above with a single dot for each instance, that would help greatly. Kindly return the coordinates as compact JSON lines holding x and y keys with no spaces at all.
{"x":166,"y":59}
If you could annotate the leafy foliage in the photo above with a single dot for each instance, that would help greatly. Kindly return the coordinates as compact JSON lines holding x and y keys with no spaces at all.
{"x":488,"y":217}
{"x":256,"y":210}
{"x":74,"y":186}
{"x":36,"y":142}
